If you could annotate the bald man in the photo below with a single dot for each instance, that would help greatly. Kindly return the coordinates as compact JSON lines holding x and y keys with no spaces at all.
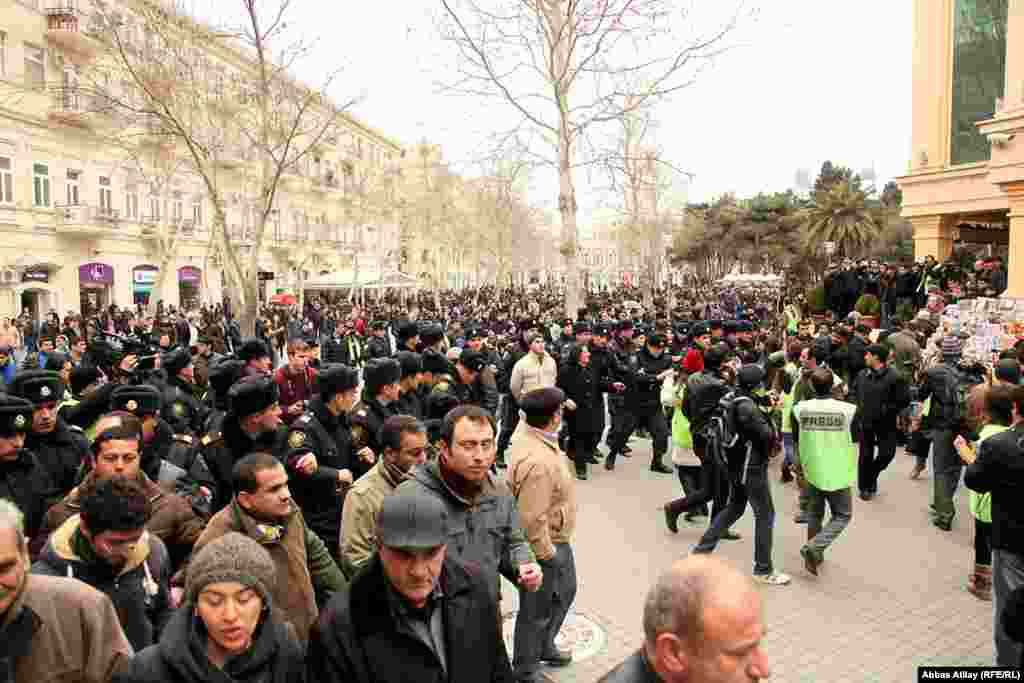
{"x":702,"y":622}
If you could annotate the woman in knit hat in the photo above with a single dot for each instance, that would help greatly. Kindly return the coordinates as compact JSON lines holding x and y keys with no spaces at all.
{"x":225,"y":630}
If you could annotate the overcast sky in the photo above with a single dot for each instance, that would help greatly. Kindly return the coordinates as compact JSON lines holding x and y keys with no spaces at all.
{"x":810,"y":80}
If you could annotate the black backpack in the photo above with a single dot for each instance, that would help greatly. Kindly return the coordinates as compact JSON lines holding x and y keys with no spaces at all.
{"x":722,"y":431}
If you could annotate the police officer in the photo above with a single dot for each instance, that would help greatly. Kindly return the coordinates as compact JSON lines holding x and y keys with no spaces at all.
{"x":486,"y":385}
{"x":320,"y":460}
{"x":182,"y":410}
{"x":410,"y":402}
{"x":173,"y":461}
{"x":408,"y":336}
{"x":379,"y":401}
{"x":649,"y":368}
{"x":252,"y":424}
{"x":223,"y":376}
{"x":623,"y":349}
{"x":22,"y":479}
{"x":60,"y":450}
{"x":464,"y":382}
{"x":378,"y":346}
{"x":526,"y":328}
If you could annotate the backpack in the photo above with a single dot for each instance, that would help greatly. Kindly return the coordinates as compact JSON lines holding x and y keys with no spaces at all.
{"x":722,"y":431}
{"x":963,"y":383}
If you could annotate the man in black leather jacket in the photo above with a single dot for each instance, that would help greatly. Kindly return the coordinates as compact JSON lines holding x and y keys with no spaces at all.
{"x":748,"y":473}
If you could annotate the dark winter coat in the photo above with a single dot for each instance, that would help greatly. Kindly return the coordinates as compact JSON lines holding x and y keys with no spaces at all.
{"x":28,"y":484}
{"x":645,"y":387}
{"x":999,"y":470}
{"x":61,"y":452}
{"x":357,"y":640}
{"x":140,"y":591}
{"x":584,"y":387}
{"x":275,"y":656}
{"x":221,"y":450}
{"x":328,"y":438}
{"x":881,"y":396}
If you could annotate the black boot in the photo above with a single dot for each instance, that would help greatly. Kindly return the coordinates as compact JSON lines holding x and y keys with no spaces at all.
{"x":581,"y":470}
{"x":609,"y":462}
{"x":658,"y":466}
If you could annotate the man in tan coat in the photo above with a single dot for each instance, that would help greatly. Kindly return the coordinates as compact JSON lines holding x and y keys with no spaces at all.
{"x":535,"y":370}
{"x":545,"y":492}
{"x":404,"y":439}
{"x":56,"y":629}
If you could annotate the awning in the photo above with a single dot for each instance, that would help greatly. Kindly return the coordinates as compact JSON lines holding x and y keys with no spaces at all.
{"x":368,"y":279}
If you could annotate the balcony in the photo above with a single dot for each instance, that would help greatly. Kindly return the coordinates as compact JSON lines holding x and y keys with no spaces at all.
{"x":81,"y":220}
{"x":78,"y":109}
{"x":65,"y":28}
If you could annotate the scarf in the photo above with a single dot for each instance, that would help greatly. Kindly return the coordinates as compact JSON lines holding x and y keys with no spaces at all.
{"x":460,"y":486}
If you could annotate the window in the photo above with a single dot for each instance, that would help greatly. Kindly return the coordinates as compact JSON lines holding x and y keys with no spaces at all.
{"x":131,"y":205}
{"x":177,"y":215}
{"x":197,"y":213}
{"x":154,"y":208}
{"x":35,"y":66}
{"x":71,"y":185}
{"x":41,"y":185}
{"x":106,"y":197}
{"x":6,"y":181}
{"x":979,"y":74}
{"x":3,"y":53}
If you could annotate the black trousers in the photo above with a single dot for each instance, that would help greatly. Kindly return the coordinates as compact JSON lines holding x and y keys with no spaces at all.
{"x":712,"y":486}
{"x":509,"y":422}
{"x":655,"y":423}
{"x":616,"y":413}
{"x":871,"y":464}
{"x":582,"y":445}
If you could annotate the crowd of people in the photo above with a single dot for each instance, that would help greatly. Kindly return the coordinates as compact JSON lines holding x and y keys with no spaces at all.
{"x":336,"y":494}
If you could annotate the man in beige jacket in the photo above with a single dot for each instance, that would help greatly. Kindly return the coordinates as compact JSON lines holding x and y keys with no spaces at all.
{"x":535,"y":370}
{"x":545,"y":492}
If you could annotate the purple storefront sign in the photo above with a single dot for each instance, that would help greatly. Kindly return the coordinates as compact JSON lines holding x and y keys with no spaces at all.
{"x":190,"y":274}
{"x":96,"y":274}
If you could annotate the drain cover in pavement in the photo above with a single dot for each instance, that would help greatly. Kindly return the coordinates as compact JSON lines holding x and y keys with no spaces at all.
{"x":579,"y":635}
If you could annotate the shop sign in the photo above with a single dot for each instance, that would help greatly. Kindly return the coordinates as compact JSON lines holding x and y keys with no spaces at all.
{"x":190,"y":275}
{"x":35,"y":276}
{"x":96,"y":274}
{"x":145,"y":275}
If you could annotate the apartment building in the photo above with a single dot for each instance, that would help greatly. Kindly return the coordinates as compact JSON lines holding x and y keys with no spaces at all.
{"x":100,"y":208}
{"x":965,"y":179}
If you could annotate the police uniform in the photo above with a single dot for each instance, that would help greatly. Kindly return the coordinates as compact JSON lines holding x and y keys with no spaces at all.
{"x":368,"y":416}
{"x":470,"y":394}
{"x":23,"y":480}
{"x":378,"y":347}
{"x":173,"y":461}
{"x":410,"y":402}
{"x":60,"y":451}
{"x":223,"y":449}
{"x":624,"y":358}
{"x":326,"y":436}
{"x":181,"y":409}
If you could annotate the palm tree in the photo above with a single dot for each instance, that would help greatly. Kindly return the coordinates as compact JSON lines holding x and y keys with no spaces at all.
{"x":843,"y":214}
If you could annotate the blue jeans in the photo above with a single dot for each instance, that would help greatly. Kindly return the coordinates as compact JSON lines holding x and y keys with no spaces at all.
{"x":541,"y":614}
{"x":787,"y":448}
{"x":753,"y":487}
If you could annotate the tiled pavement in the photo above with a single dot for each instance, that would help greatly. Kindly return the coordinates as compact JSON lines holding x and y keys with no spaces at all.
{"x":890,"y":596}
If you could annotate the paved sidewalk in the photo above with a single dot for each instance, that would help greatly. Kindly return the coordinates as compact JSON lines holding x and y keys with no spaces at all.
{"x":889,"y":598}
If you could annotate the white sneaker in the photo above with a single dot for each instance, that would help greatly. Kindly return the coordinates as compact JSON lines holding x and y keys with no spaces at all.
{"x":774,"y":579}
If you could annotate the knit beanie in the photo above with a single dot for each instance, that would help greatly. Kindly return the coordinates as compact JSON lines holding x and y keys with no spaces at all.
{"x":951,"y":347}
{"x":232,"y":557}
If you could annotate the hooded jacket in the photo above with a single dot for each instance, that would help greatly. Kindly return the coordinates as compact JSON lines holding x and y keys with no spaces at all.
{"x":485,"y":531}
{"x":139,"y":590}
{"x":274,"y":656}
{"x":172,"y":520}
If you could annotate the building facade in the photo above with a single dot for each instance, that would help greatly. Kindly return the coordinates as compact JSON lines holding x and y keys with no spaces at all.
{"x":85,"y":224}
{"x":965,"y":179}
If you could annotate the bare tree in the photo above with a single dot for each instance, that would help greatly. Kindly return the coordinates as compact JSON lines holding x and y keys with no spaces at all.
{"x":570,"y":67}
{"x":225,"y":101}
